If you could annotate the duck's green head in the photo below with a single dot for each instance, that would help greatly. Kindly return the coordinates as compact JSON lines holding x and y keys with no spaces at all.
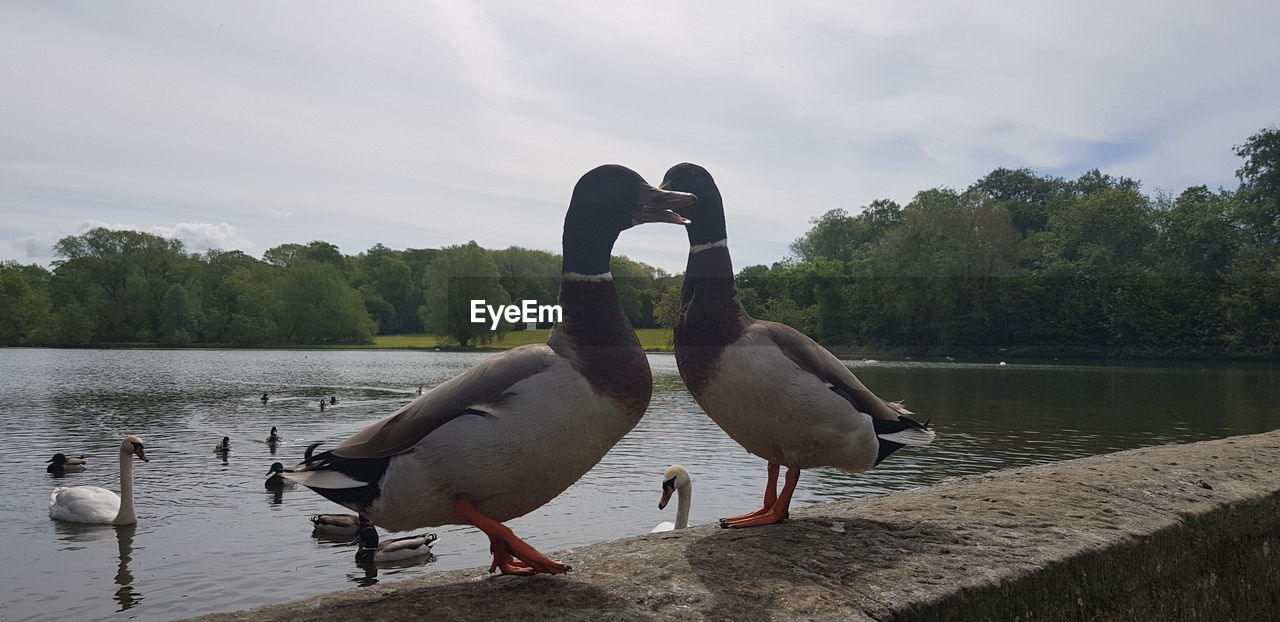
{"x":606,"y":201}
{"x":708,"y":213}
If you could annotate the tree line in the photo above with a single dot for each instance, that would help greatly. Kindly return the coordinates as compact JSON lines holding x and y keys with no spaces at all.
{"x":1037,"y":264}
{"x":1019,"y":261}
{"x":120,"y":287}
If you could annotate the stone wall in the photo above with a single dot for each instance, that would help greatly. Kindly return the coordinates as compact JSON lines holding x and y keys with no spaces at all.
{"x":1180,"y":532}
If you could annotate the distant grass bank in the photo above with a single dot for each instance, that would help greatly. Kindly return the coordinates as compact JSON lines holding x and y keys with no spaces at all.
{"x":651,"y":339}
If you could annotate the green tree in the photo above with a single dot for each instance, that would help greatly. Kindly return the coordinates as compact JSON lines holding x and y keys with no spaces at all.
{"x":528,"y":274}
{"x":25,"y":306}
{"x":215,"y":295}
{"x":1258,"y":210}
{"x":839,"y":236}
{"x":456,"y":276}
{"x":666,"y":308}
{"x":318,"y":306}
{"x":1026,"y":194}
{"x":637,"y":285}
{"x":253,"y":304}
{"x":121,"y":277}
{"x":1260,"y":172}
{"x":317,"y":251}
{"x":385,"y":282}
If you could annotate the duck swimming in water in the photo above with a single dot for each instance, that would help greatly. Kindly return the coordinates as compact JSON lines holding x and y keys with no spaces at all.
{"x":60,"y":464}
{"x":394,"y":549}
{"x":275,"y":478}
{"x":771,"y":388}
{"x":335,"y":524}
{"x":508,"y":435}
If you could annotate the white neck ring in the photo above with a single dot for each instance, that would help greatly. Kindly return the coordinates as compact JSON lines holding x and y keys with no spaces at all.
{"x":698,"y":248}
{"x":578,"y":276}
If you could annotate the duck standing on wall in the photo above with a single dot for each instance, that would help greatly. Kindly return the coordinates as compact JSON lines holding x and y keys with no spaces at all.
{"x":771,"y":388}
{"x":60,"y":464}
{"x":508,"y":435}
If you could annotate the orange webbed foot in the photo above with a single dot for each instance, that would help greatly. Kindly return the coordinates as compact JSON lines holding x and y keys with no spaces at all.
{"x":754,"y":520}
{"x":511,"y":555}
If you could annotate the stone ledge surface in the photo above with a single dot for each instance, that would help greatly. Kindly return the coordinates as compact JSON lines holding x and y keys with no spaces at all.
{"x":1176,"y":532}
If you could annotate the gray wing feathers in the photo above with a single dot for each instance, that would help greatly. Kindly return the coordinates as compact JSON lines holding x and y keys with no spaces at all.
{"x":485,"y":383}
{"x":816,"y":360}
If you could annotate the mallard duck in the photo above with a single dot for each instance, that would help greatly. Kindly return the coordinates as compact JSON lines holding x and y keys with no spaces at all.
{"x":223,"y":445}
{"x":675,"y":480}
{"x":336,"y":524}
{"x":60,"y":464}
{"x":275,"y":478}
{"x":772,"y":389}
{"x":91,"y":504}
{"x":394,"y":549}
{"x":273,"y":437}
{"x":508,"y":435}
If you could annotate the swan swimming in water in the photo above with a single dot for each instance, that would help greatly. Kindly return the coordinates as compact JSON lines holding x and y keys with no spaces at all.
{"x":675,"y":480}
{"x":99,"y":506}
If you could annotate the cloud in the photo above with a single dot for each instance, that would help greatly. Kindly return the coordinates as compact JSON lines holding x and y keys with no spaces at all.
{"x":195,"y":236}
{"x":200,"y":236}
{"x":421,"y":124}
{"x":37,"y":246}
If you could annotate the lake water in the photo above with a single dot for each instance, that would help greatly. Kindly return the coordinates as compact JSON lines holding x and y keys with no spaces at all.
{"x":209,"y":537}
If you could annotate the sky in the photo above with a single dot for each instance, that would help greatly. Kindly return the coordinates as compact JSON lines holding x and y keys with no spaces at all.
{"x":418,"y":124}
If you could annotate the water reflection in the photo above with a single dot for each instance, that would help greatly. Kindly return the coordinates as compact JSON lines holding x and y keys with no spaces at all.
{"x":125,"y":596}
{"x":87,"y":542}
{"x":370,"y":570}
{"x":368,"y":575}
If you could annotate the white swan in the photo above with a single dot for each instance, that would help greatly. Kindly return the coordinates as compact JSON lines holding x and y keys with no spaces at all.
{"x":99,"y":506}
{"x":676,"y":480}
